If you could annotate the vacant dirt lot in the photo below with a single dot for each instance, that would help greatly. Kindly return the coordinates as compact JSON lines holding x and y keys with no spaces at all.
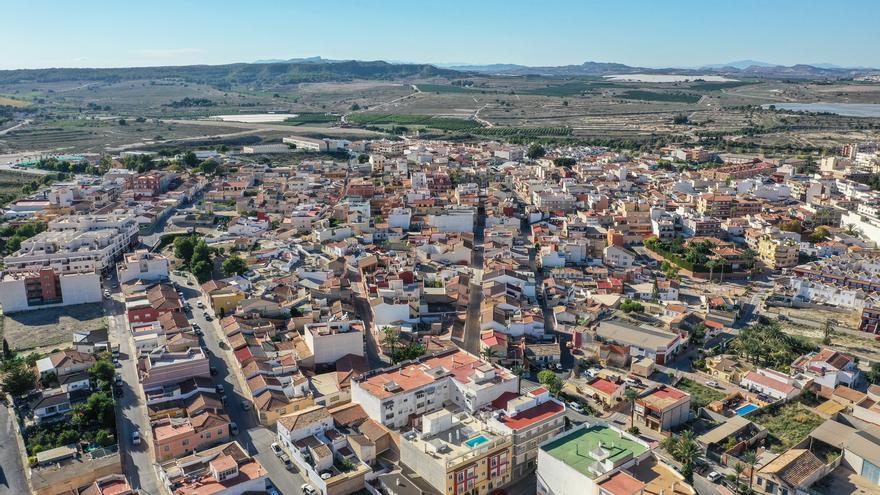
{"x":50,"y":327}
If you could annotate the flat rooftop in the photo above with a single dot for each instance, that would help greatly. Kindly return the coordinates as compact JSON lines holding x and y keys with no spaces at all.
{"x":584,"y":448}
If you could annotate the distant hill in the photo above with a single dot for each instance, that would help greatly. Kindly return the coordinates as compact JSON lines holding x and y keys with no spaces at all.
{"x":739,"y":64}
{"x":225,"y":76}
{"x":741,"y":68}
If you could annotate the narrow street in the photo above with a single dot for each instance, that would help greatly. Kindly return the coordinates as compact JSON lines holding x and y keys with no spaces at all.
{"x":253,"y":437}
{"x":137,"y":461}
{"x":12,"y":475}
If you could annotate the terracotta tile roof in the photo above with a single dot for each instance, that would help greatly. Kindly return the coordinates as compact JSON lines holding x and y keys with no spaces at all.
{"x":350,"y":414}
{"x":794,"y":466}
{"x":305,"y":418}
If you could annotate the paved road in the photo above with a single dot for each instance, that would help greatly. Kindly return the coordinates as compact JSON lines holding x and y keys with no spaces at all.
{"x":137,"y":461}
{"x":255,"y":438}
{"x":12,"y":476}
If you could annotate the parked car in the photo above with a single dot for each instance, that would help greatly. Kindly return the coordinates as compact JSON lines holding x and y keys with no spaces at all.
{"x":233,"y":428}
{"x":119,"y":380}
{"x":714,"y":477}
{"x":213,"y":370}
{"x":577,"y":407}
{"x":276,"y":449}
{"x":200,"y":305}
{"x":219,"y":388}
{"x":135,"y":437}
{"x":712,"y":383}
{"x":307,"y":489}
{"x":286,"y":460}
{"x":246,"y":405}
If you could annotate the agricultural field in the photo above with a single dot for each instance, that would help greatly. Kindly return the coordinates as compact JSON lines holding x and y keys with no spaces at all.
{"x":11,"y":184}
{"x":453,"y":124}
{"x":81,"y":115}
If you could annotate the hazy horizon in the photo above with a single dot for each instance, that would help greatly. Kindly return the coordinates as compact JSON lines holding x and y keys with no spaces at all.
{"x":105,"y":34}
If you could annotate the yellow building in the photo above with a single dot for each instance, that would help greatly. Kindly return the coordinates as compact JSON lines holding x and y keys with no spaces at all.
{"x":457,"y":454}
{"x":777,"y":253}
{"x":225,"y":301}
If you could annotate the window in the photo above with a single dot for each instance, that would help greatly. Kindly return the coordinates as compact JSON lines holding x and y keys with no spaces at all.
{"x":460,"y":476}
{"x":185,"y":443}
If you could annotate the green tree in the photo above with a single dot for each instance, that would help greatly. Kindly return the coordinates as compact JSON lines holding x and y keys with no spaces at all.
{"x":873,"y":374}
{"x":751,"y":459}
{"x":202,"y":271}
{"x":546,"y":376}
{"x":189,"y":159}
{"x":201,"y":251}
{"x":828,"y":332}
{"x":233,"y":266}
{"x":489,"y":354}
{"x":390,"y":339}
{"x":102,"y":372}
{"x":184,"y":247}
{"x":19,"y":379}
{"x":98,"y":410}
{"x":209,"y":166}
{"x":535,"y":151}
{"x":105,"y":438}
{"x":631,"y":395}
{"x":363,"y":158}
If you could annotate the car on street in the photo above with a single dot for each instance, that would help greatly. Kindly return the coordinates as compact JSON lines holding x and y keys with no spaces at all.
{"x":135,"y":437}
{"x":711,"y":383}
{"x":307,"y":489}
{"x":714,"y":477}
{"x":213,"y":370}
{"x":118,"y":380}
{"x":219,"y":388}
{"x":246,"y":405}
{"x":286,"y":460}
{"x":233,"y":429}
{"x":576,"y":407}
{"x":200,"y":305}
{"x":276,"y":449}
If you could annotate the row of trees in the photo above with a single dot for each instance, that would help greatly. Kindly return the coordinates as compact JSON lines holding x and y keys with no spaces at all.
{"x":195,"y":255}
{"x":11,"y":236}
{"x":765,"y":344}
{"x":399,"y":353}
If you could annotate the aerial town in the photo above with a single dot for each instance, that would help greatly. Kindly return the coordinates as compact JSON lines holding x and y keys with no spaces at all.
{"x":494,"y":247}
{"x":430,"y":317}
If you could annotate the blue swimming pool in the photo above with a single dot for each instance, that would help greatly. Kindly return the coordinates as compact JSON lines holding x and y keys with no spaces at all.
{"x":477,"y":440}
{"x":743,"y":410}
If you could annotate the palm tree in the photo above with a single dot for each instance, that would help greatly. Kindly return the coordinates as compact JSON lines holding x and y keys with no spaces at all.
{"x":751,"y":458}
{"x":749,"y":255}
{"x":631,"y":394}
{"x":519,"y":371}
{"x":390,"y":340}
{"x":738,"y":468}
{"x":712,"y":264}
{"x":688,"y":452}
{"x":489,"y":354}
{"x":851,"y":229}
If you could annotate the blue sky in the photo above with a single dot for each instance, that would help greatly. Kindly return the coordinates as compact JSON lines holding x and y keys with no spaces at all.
{"x":98,"y":33}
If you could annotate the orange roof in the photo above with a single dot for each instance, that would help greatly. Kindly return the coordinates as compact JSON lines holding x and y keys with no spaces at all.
{"x":604,"y":386}
{"x":458,"y":363}
{"x":533,"y":415}
{"x":621,"y":483}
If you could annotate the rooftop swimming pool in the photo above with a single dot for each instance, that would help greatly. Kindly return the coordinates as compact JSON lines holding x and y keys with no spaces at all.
{"x":477,"y":440}
{"x":743,"y":410}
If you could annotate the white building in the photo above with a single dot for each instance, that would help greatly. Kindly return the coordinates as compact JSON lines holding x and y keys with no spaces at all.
{"x":393,"y":396}
{"x":26,"y":290}
{"x":458,"y":219}
{"x":76,"y":243}
{"x":399,"y":218}
{"x":248,"y":227}
{"x":618,"y":257}
{"x":142,"y":265}
{"x":331,"y":341}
